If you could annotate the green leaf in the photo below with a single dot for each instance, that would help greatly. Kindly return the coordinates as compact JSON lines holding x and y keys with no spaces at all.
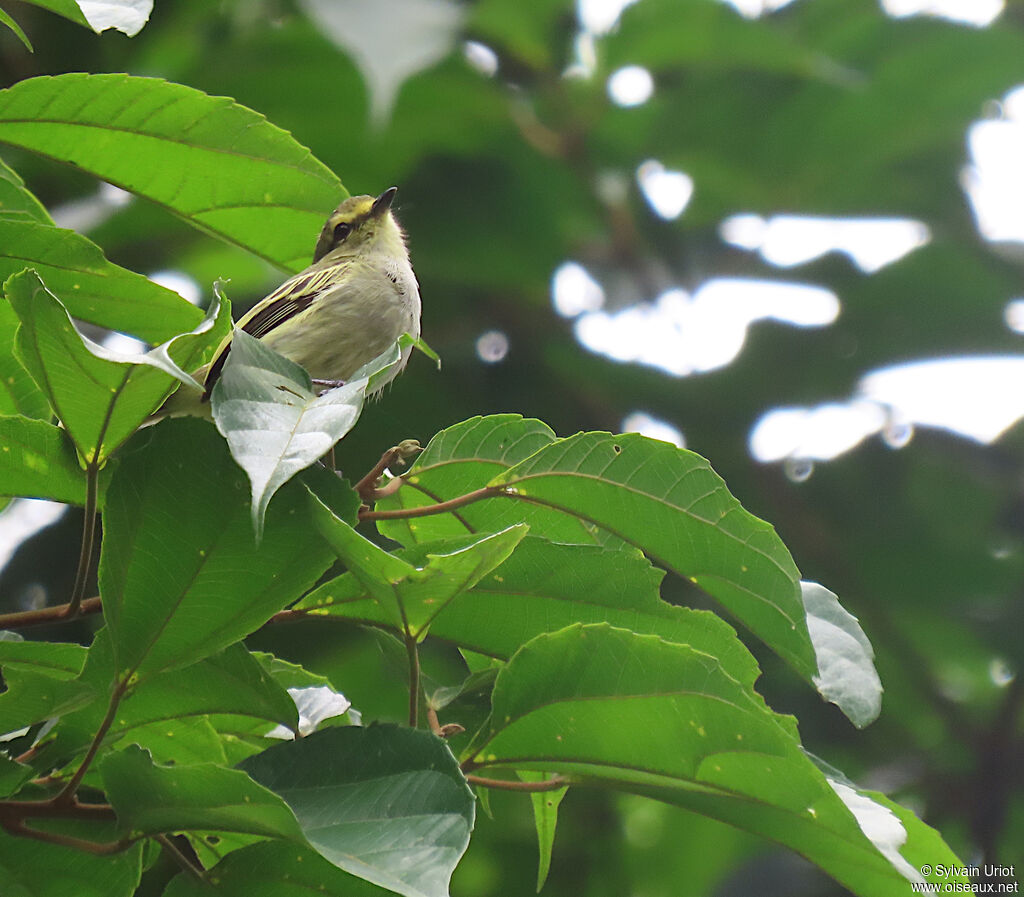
{"x":96,"y":290}
{"x":179,"y":583}
{"x":170,"y":143}
{"x":67,"y":8}
{"x":18,"y":391}
{"x":31,"y":868}
{"x":387,"y":804}
{"x":545,"y":820}
{"x":410,"y":596}
{"x":466,"y":457}
{"x":545,"y":586}
{"x":32,"y":696}
{"x":274,"y":424}
{"x":17,"y":201}
{"x":846,"y":670}
{"x":670,"y":503}
{"x":38,"y":460}
{"x":275,"y":869}
{"x":61,"y":660}
{"x":100,"y":396}
{"x":151,"y":799}
{"x":665,"y":721}
{"x":16,"y":28}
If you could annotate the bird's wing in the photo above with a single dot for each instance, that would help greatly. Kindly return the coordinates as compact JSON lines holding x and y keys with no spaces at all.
{"x":293,"y":297}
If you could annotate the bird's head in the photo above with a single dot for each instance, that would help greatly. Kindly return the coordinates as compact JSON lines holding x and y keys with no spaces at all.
{"x":361,"y":224}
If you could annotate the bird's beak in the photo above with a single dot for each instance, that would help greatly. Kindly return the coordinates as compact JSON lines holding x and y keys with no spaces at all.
{"x":383,"y":202}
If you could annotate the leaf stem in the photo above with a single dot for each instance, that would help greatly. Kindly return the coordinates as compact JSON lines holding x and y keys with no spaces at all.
{"x":67,"y":796}
{"x":179,"y":856}
{"x":19,"y":829}
{"x":414,"y":679}
{"x":439,"y":508}
{"x":92,"y":475}
{"x":552,"y":784}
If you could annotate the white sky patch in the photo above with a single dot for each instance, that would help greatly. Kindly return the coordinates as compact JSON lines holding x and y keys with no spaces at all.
{"x":977,"y":398}
{"x":185,"y":286}
{"x":600,"y":16}
{"x":125,"y":15}
{"x":967,"y":12}
{"x":816,"y":434}
{"x":647,"y":425}
{"x":752,"y":9}
{"x":994,"y":179}
{"x":574,"y":291}
{"x":89,"y":212}
{"x":667,"y":192}
{"x":683,"y":334}
{"x":22,"y":518}
{"x":1013,"y":315}
{"x":632,"y":85}
{"x":790,"y":240}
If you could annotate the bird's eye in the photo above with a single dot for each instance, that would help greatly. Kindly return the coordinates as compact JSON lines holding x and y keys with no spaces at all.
{"x":341,"y":231}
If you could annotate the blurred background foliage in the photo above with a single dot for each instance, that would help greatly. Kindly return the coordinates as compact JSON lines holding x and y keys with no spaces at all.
{"x":578,"y":184}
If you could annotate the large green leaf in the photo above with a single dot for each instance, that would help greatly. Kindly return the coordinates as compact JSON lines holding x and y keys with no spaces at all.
{"x":149,"y":798}
{"x":217,"y":164}
{"x":466,"y":457}
{"x":410,"y":596}
{"x":545,"y":586}
{"x":275,"y":869}
{"x":38,"y":460}
{"x":670,"y":503}
{"x":387,"y":804}
{"x":95,"y":290}
{"x":179,"y":583}
{"x":100,"y":396}
{"x":665,"y":721}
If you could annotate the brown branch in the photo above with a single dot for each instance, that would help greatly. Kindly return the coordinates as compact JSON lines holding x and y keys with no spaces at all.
{"x":67,"y":796}
{"x":397,"y":454}
{"x":553,"y":784}
{"x":20,"y":830}
{"x":439,"y":508}
{"x":55,"y":614}
{"x":14,"y":811}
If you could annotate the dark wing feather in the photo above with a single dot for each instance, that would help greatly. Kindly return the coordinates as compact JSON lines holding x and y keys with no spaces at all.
{"x":290,"y":299}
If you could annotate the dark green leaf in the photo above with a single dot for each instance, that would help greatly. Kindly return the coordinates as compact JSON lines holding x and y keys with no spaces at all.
{"x":30,"y":868}
{"x":387,"y":804}
{"x":151,"y":799}
{"x":545,"y":820}
{"x":179,"y":583}
{"x":170,"y":143}
{"x":275,"y":869}
{"x":17,"y":201}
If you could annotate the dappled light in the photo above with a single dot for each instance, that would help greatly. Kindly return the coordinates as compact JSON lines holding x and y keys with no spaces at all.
{"x":653,"y":427}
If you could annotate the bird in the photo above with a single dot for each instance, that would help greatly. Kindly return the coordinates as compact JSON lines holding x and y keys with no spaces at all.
{"x":356,"y":298}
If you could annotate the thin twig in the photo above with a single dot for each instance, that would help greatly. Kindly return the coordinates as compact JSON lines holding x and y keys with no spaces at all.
{"x":55,"y":614}
{"x":178,"y":855}
{"x":92,"y":476}
{"x":552,"y":784}
{"x":19,"y":829}
{"x":440,"y":508}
